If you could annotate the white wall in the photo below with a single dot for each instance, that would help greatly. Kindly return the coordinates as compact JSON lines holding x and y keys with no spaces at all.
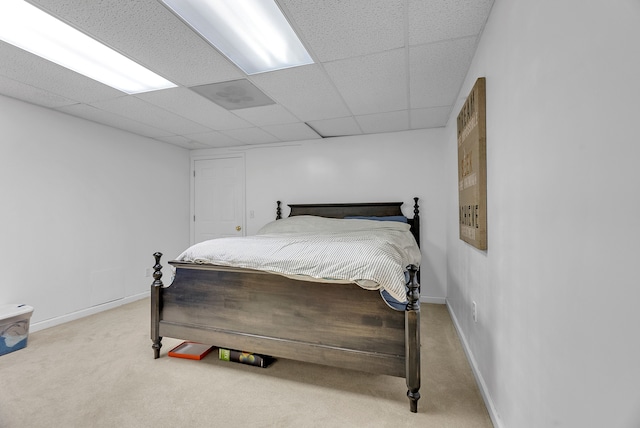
{"x":369,"y":168}
{"x":556,"y":343}
{"x":84,"y":207}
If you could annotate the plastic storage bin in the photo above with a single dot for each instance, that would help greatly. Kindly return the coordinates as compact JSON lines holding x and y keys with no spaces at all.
{"x":14,"y":327}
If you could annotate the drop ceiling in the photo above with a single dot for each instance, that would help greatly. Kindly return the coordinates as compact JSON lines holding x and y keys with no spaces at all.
{"x":380,"y":66}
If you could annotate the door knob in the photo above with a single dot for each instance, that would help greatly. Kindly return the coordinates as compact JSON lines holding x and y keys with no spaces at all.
{"x":238,"y":228}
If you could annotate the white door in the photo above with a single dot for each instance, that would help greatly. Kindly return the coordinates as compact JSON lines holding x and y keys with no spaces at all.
{"x":218,"y":198}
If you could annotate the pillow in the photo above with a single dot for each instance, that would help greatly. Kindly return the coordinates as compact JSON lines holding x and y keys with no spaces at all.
{"x":296,"y":224}
{"x":400,"y":218}
{"x":314,"y":224}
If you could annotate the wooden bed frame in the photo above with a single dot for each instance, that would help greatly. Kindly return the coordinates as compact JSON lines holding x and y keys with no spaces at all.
{"x":340,"y":325}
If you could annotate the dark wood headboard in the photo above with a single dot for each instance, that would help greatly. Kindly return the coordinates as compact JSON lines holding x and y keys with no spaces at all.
{"x":342,"y":210}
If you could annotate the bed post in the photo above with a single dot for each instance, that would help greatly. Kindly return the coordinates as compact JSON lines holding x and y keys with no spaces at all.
{"x":278,"y":211}
{"x":156,"y":304}
{"x":416,"y":221}
{"x":412,"y":339}
{"x":415,"y":228}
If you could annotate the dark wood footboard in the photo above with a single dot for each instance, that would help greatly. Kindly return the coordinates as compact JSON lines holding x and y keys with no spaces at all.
{"x":340,"y":325}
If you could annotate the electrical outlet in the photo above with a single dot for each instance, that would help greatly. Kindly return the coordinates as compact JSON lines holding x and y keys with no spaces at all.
{"x":475,"y":312}
{"x":147,"y":272}
{"x":252,"y":214}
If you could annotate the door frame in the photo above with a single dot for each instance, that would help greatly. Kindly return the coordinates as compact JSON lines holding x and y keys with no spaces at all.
{"x":192,"y":185}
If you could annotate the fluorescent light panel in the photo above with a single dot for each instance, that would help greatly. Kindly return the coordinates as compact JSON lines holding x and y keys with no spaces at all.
{"x":254,"y":34}
{"x":33,"y":30}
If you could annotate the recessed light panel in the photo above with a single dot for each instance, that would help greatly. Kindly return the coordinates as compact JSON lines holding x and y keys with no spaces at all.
{"x":27,"y":27}
{"x":254,"y":34}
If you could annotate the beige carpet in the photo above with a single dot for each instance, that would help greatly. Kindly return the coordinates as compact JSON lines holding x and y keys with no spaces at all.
{"x":99,"y":371}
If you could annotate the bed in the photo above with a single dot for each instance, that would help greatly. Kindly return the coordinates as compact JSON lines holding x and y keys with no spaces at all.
{"x":337,"y":324}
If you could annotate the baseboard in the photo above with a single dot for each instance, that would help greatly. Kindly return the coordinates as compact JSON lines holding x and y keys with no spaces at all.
{"x":493,"y":414}
{"x":436,"y":300}
{"x":41,"y":325}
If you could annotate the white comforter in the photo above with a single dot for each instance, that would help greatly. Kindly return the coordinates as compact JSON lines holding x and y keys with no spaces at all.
{"x":372,"y":254}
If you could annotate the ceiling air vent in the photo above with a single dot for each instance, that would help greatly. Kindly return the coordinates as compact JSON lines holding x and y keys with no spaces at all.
{"x":234,"y":95}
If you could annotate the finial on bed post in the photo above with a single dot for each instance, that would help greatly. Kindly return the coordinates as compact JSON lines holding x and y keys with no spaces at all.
{"x":156,"y":304}
{"x":412,"y":339}
{"x":278,"y":211}
{"x":415,"y":224}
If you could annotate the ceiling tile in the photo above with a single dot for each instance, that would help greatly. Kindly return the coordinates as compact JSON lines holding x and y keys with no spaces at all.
{"x":189,"y":104}
{"x":21,"y":91}
{"x":372,"y":84}
{"x":337,"y":29}
{"x":150,"y":34}
{"x":251,"y":136}
{"x":178,"y":140}
{"x":143,"y":112}
{"x":110,"y":119}
{"x":336,"y":127}
{"x":434,"y":20}
{"x":214,"y":139}
{"x":305,"y":91}
{"x":267,"y":115}
{"x":292,"y":132}
{"x":429,"y":117}
{"x":437,"y":71}
{"x":384,"y":122}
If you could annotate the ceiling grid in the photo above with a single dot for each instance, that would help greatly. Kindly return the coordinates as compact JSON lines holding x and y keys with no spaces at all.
{"x":380,"y":66}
